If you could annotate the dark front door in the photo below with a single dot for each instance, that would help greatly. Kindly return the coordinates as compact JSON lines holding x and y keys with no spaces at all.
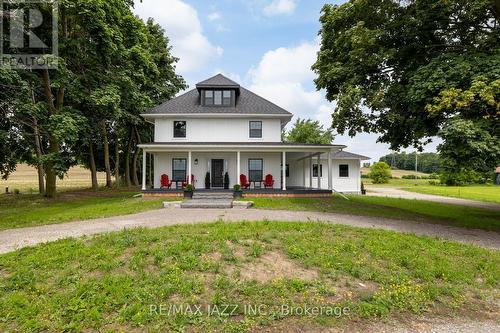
{"x":217,"y":170}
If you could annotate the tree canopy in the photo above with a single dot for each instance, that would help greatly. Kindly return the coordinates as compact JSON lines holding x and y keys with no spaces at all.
{"x":112,"y":67}
{"x":405,"y":69}
{"x":308,"y":131}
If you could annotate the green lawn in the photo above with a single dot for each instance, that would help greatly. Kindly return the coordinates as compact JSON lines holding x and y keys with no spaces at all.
{"x":119,"y":282}
{"x":489,"y":193}
{"x":18,"y":211}
{"x":416,"y":210}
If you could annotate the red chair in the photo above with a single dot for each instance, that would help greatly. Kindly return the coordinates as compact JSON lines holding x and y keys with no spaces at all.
{"x":269,"y":181}
{"x":186,"y":182}
{"x":165,"y":182}
{"x":244,"y":183}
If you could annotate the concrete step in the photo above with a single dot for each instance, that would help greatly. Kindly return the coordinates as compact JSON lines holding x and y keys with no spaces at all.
{"x":219,"y":203}
{"x":212,"y":195}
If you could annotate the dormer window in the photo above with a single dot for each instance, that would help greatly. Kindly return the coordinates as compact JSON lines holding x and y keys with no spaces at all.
{"x":217,"y":97}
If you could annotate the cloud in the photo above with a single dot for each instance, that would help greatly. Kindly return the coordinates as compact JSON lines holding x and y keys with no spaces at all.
{"x":284,"y":76}
{"x":280,"y":7}
{"x":183,"y":27}
{"x":214,"y":16}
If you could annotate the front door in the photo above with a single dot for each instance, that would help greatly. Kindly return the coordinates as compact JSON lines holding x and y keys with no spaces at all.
{"x":217,"y":173}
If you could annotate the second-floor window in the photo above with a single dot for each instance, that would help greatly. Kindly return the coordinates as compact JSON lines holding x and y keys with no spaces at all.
{"x":179,"y":129}
{"x":256,"y":129}
{"x":218,"y":97}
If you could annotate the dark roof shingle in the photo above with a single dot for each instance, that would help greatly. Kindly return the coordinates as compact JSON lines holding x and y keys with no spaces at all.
{"x":346,"y":154}
{"x":247,"y":103}
{"x":218,"y":80}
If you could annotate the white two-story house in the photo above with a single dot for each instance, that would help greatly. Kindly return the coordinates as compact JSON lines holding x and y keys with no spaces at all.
{"x":220,"y":127}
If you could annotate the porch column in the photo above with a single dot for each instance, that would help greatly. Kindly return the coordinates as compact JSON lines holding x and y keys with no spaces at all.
{"x":189,"y":167}
{"x":238,"y":167}
{"x":330,"y":172}
{"x":283,"y":171}
{"x":311,"y":172}
{"x":319,"y":172}
{"x":143,"y":169}
{"x":304,"y":172}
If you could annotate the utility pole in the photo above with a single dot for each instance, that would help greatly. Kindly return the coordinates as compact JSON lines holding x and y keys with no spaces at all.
{"x":416,"y":161}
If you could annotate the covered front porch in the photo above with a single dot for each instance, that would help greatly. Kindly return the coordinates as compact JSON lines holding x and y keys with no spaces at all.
{"x":293,"y":169}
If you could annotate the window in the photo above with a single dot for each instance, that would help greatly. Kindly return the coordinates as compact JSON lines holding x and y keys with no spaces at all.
{"x":226,"y":97}
{"x":343,"y":170}
{"x":217,"y":97}
{"x":255,"y":170}
{"x":315,"y":170}
{"x":179,"y":169}
{"x":256,"y":129}
{"x":179,"y":129}
{"x":209,"y":97}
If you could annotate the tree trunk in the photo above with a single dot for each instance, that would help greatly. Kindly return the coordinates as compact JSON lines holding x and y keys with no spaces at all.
{"x":127,"y":159}
{"x":135,"y":178}
{"x":54,"y":148}
{"x":38,"y":149}
{"x":105,"y":143}
{"x":117,"y":161}
{"x":136,"y":158}
{"x":93,"y":169}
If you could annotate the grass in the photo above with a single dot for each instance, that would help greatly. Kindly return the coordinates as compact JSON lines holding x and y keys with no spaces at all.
{"x":118,"y":281}
{"x":489,"y":193}
{"x":396,"y":208}
{"x":25,"y":210}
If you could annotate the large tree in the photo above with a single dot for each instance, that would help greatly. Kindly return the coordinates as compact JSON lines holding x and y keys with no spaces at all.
{"x":308,"y":131}
{"x":405,"y":69}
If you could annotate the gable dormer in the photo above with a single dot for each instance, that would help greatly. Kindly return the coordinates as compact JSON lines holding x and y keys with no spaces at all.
{"x":218,"y":91}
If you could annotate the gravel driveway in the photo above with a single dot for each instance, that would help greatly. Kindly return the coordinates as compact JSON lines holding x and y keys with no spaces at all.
{"x":397,"y":193}
{"x":17,"y":238}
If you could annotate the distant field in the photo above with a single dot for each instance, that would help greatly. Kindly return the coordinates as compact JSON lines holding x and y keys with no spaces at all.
{"x":489,"y":193}
{"x":26,"y":178}
{"x":397,"y":173}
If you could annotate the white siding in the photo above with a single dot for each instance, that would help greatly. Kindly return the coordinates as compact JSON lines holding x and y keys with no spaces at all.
{"x":217,"y":130}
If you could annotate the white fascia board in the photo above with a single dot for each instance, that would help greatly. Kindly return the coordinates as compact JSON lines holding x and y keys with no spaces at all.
{"x":215,"y":147}
{"x":214,"y":115}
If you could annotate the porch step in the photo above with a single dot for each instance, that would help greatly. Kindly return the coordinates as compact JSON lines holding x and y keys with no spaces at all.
{"x":205,"y":203}
{"x":213,"y":195}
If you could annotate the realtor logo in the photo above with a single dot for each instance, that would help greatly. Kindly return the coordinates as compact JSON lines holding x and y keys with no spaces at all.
{"x":28,"y":33}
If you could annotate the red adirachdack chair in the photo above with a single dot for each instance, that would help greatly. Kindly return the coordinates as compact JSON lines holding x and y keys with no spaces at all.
{"x":165,"y":182}
{"x":269,"y":181}
{"x":244,"y":182}
{"x":186,"y":182}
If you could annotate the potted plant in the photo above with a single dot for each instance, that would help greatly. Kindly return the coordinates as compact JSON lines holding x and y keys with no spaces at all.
{"x":226,"y":181}
{"x":238,"y":193}
{"x":363,"y":190}
{"x":207,"y":180}
{"x":188,"y":191}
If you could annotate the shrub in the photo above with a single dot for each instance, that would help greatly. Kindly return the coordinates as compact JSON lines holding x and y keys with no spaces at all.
{"x":226,"y":180}
{"x":237,"y":187}
{"x":410,"y":177}
{"x":207,"y":180}
{"x":16,"y":191}
{"x":363,"y":175}
{"x":189,"y":187}
{"x":380,"y":173}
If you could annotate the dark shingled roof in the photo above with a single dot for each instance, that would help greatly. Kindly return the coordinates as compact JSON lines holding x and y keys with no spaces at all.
{"x":218,"y":80}
{"x":346,"y":154}
{"x":246,"y":103}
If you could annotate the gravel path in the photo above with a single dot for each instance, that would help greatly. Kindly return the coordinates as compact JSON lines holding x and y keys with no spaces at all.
{"x":17,"y":238}
{"x":397,"y":193}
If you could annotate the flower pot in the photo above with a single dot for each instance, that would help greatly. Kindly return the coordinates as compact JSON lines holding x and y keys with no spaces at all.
{"x":188,"y":194}
{"x":238,"y":194}
{"x":363,"y":192}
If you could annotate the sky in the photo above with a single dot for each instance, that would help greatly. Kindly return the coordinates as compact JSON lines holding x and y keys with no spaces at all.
{"x":267,"y":46}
